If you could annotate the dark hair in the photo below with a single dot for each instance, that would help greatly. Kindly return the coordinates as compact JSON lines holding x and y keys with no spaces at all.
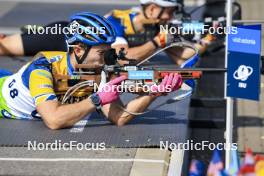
{"x":82,"y":45}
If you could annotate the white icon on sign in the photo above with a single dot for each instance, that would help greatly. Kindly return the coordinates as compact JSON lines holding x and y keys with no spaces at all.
{"x":243,"y":72}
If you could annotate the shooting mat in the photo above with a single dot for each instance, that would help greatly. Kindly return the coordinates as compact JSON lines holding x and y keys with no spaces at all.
{"x":166,"y":123}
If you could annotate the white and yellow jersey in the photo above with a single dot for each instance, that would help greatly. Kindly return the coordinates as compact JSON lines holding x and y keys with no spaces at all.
{"x":21,"y":92}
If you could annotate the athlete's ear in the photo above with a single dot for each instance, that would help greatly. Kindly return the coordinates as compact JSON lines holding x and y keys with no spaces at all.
{"x":151,"y":9}
{"x":78,"y":50}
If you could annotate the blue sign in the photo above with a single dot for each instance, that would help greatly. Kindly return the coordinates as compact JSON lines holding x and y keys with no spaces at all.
{"x":244,"y":54}
{"x":247,"y":40}
{"x":140,"y":74}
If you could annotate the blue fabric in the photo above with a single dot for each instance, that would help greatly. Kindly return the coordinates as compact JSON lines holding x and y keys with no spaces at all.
{"x":4,"y":72}
{"x":70,"y":67}
{"x":119,"y":28}
{"x":216,"y":157}
{"x":197,"y":168}
{"x":189,"y":64}
{"x":190,"y":82}
{"x":51,"y":97}
{"x":132,"y":16}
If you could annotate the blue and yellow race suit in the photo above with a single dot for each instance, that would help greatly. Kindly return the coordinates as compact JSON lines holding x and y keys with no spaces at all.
{"x":33,"y":84}
{"x":122,"y":21}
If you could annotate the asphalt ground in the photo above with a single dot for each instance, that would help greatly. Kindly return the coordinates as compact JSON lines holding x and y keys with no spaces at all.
{"x":21,"y":161}
{"x":40,"y":13}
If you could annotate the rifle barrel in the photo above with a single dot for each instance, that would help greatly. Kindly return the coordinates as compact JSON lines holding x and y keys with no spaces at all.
{"x":217,"y":70}
{"x":248,"y":21}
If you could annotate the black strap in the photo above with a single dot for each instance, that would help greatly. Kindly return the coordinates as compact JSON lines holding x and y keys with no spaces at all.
{"x":144,"y":11}
{"x":80,"y":60}
{"x":154,"y":43}
{"x":161,"y":12}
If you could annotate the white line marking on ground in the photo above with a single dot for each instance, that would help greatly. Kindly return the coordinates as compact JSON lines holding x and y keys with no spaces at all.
{"x":200,"y":2}
{"x":113,"y":2}
{"x":84,"y":159}
{"x":176,"y":163}
{"x":79,"y":126}
{"x":9,"y":30}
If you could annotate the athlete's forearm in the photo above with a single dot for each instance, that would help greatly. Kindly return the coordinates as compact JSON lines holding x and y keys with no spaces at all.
{"x":180,"y":55}
{"x":12,"y":45}
{"x":141,"y":52}
{"x":62,"y":116}
{"x":204,"y":43}
{"x":120,"y":117}
{"x":72,"y":113}
{"x":201,"y":48}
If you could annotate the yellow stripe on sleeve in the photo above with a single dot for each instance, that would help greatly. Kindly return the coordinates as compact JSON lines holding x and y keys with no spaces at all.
{"x":41,"y":85}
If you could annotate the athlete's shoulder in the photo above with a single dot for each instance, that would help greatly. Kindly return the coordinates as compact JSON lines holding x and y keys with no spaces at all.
{"x":116,"y":17}
{"x":42,"y":64}
{"x":122,"y":21}
{"x":122,"y":13}
{"x":51,"y":56}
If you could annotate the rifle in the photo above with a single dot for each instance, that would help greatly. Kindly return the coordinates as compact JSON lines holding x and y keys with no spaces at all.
{"x":137,"y":76}
{"x":87,"y":78}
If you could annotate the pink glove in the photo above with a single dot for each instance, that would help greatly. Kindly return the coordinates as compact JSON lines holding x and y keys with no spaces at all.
{"x":109,"y":93}
{"x":170,"y":83}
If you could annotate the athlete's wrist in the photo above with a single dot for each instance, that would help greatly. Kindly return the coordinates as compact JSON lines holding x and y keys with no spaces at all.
{"x":90,"y":103}
{"x":157,"y":41}
{"x":96,"y":101}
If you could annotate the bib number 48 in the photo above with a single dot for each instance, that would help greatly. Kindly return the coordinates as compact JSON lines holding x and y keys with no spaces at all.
{"x":13,"y":92}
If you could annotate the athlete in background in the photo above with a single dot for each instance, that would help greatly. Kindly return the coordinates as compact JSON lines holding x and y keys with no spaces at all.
{"x":138,"y":38}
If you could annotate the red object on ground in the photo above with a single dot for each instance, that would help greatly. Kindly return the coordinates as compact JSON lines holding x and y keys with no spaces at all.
{"x":248,"y":166}
{"x":259,"y":158}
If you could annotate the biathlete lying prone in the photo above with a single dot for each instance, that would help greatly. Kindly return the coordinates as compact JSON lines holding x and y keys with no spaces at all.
{"x":30,"y":94}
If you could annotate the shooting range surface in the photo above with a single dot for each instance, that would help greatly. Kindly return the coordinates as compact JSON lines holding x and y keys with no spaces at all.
{"x":167,"y":123}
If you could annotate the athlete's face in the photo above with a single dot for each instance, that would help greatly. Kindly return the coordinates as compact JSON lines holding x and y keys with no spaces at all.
{"x":96,"y":55}
{"x":156,"y":12}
